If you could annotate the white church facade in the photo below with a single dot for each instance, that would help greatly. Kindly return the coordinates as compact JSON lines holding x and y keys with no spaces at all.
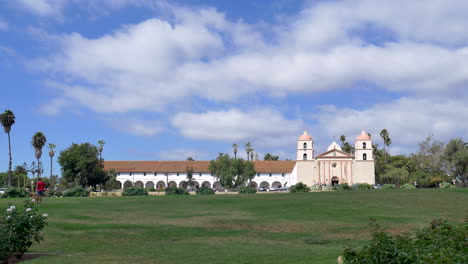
{"x":331,"y":167}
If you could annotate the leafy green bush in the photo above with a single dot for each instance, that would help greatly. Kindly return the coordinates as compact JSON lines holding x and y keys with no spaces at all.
{"x":151,"y":189}
{"x":19,"y":229}
{"x":343,"y":187}
{"x":445,"y":185}
{"x":247,"y":190}
{"x":407,"y":186}
{"x":76,"y":192}
{"x":134,"y":191}
{"x":362,"y":186}
{"x":53,"y":193}
{"x":205,"y":190}
{"x":299,"y":187}
{"x":389,"y":186}
{"x":15,"y":193}
{"x":438,"y":243}
{"x":175,"y":191}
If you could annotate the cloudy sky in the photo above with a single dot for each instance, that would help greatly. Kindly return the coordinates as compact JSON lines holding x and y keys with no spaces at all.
{"x":163,"y":80}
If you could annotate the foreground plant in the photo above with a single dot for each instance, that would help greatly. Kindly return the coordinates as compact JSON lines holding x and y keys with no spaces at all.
{"x":438,"y":243}
{"x":19,"y":229}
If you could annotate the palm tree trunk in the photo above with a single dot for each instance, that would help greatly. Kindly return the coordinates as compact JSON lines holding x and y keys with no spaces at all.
{"x":38,"y":170}
{"x":9,"y":167}
{"x":51,"y":168}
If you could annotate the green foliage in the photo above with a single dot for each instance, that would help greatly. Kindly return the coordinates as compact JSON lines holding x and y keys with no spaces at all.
{"x":270,"y":157}
{"x":53,"y":193}
{"x":389,"y":186}
{"x":15,"y":193}
{"x":299,"y":187}
{"x":343,"y":187}
{"x":19,"y":229}
{"x":205,"y":190}
{"x":445,"y":185}
{"x":232,"y":172}
{"x":438,"y":243}
{"x":407,"y":186}
{"x":150,"y":189}
{"x":456,"y":155}
{"x":173,"y":190}
{"x":134,"y":191}
{"x":76,"y":192}
{"x":81,"y":165}
{"x":363,"y":186}
{"x":247,"y":189}
{"x":394,"y":175}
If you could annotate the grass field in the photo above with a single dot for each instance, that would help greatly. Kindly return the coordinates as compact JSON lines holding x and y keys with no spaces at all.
{"x":268,"y":228}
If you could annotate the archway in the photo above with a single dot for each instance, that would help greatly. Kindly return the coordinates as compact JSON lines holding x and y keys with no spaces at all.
{"x":253,"y":184}
{"x":265,"y":185}
{"x":335,"y":181}
{"x":127,"y":184}
{"x":276,"y":185}
{"x":149,"y":184}
{"x":139,"y":184}
{"x":206,"y":184}
{"x":183,"y":184}
{"x":218,"y":186}
{"x":160,"y":185}
{"x":119,"y":185}
{"x":195,"y":185}
{"x":172,"y":183}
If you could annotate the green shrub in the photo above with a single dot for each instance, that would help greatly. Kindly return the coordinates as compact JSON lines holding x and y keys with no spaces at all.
{"x":389,"y":186}
{"x":299,"y":187}
{"x":407,"y":186}
{"x":445,"y":185}
{"x":19,"y":229}
{"x":134,"y":191}
{"x":15,"y":193}
{"x":76,"y":192}
{"x":175,"y":191}
{"x":247,"y":190}
{"x":151,"y":189}
{"x":205,"y":190}
{"x":438,"y":243}
{"x":362,"y":186}
{"x":53,"y":193}
{"x":343,"y":187}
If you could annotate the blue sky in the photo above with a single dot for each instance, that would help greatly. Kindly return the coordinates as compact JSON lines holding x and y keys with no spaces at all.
{"x":164,"y":80}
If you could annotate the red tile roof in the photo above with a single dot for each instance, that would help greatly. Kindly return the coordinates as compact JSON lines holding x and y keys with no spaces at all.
{"x":198,"y":166}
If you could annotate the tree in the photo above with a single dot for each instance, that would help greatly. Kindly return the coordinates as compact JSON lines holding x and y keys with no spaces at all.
{"x":252,"y":154}
{"x":387,"y":141}
{"x":270,"y":157}
{"x":456,"y":155}
{"x":81,"y":165}
{"x":189,"y":177}
{"x":248,"y":148}
{"x":190,"y":159}
{"x":428,"y":163}
{"x":234,"y":146}
{"x":51,"y":155}
{"x":232,"y":172}
{"x":8,"y":119}
{"x":38,"y":141}
{"x":101,"y":148}
{"x":345,"y":146}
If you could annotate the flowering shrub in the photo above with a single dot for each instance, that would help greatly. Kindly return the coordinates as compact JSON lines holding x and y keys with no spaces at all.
{"x":15,"y":193}
{"x":76,"y":192}
{"x":19,"y":229}
{"x":445,"y":185}
{"x":407,"y":186}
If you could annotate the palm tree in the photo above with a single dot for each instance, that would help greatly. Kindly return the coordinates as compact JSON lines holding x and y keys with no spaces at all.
{"x":38,"y":141}
{"x":8,"y":119}
{"x":51,"y":155}
{"x":251,"y":154}
{"x":248,"y":147}
{"x":234,"y":146}
{"x":387,"y":141}
{"x":101,"y":148}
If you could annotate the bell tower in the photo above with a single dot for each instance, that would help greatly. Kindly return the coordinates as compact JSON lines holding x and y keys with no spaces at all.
{"x":305,"y":147}
{"x":363,"y":147}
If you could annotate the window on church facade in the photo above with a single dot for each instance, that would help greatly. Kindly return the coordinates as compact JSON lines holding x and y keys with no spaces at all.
{"x":305,"y":145}
{"x":270,"y":174}
{"x":364,"y":145}
{"x":304,"y":157}
{"x":334,"y":164}
{"x":364,"y":156}
{"x":155,"y":174}
{"x":144,"y":173}
{"x":199,"y":174}
{"x":177,"y":174}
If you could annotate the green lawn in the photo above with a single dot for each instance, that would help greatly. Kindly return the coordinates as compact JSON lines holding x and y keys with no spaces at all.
{"x":259,"y":228}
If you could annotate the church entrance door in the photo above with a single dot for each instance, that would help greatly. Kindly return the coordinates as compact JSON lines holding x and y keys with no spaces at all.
{"x":335,"y":181}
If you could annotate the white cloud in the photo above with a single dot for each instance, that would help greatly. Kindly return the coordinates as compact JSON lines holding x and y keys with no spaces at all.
{"x":42,"y":7}
{"x":182,"y":154}
{"x":408,"y":120}
{"x":3,"y":25}
{"x":155,"y":63}
{"x":136,"y":126}
{"x":264,"y":127}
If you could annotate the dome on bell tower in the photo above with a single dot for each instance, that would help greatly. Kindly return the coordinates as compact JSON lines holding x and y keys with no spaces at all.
{"x":305,"y":136}
{"x":363,"y":136}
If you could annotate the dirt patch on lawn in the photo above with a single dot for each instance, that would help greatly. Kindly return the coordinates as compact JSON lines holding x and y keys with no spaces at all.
{"x":28,"y":256}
